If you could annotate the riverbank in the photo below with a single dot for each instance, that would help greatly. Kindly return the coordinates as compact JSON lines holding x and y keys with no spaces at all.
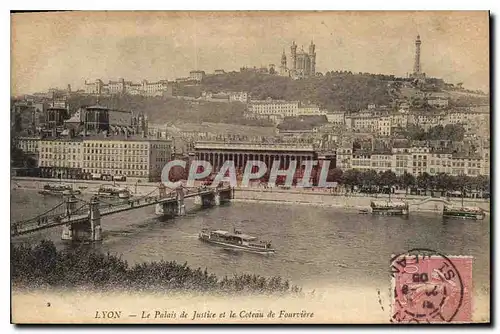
{"x":85,"y":186}
{"x":351,"y":201}
{"x":319,"y":197}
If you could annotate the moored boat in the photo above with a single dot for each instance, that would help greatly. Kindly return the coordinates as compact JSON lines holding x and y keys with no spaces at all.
{"x":59,"y":190}
{"x":236,"y":241}
{"x":389,"y":208}
{"x":463,"y":212}
{"x":112,"y":191}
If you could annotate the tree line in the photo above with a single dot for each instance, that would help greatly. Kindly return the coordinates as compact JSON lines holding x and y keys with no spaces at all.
{"x":371,"y":181}
{"x":453,"y":132}
{"x":43,"y":265}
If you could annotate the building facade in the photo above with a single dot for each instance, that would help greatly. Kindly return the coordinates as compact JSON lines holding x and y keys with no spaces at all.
{"x":61,"y":158}
{"x":277,"y":110}
{"x":336,"y":117}
{"x":136,"y":158}
{"x":121,"y":86}
{"x":140,"y":158}
{"x":196,"y":75}
{"x":240,"y":152}
{"x":30,"y":145}
{"x":415,"y":160}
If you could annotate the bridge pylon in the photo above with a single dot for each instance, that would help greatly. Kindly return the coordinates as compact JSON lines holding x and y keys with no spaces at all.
{"x":67,"y":232}
{"x":215,"y":196}
{"x":95,"y":220}
{"x":173,"y":207}
{"x":181,"y":208}
{"x":88,"y":230}
{"x":162,"y":190}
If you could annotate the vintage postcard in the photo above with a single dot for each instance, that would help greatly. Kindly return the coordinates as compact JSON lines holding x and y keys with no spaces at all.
{"x":248,"y":167}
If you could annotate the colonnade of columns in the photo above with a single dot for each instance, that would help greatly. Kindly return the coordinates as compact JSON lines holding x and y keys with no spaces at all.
{"x":217,"y":159}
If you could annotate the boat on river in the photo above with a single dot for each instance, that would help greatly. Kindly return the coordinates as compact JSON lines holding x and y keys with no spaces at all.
{"x":113,"y":192}
{"x":389,"y":208}
{"x":463,"y":212}
{"x":236,"y":241}
{"x":59,"y":190}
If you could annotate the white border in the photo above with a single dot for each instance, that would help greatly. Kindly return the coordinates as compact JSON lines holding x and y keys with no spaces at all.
{"x":192,"y":5}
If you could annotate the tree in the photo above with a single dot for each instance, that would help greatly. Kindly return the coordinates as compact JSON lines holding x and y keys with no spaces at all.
{"x":454,"y":132}
{"x":442,"y":182}
{"x":424,"y":181}
{"x":351,"y":178}
{"x":387,"y":179}
{"x":406,"y":180}
{"x":335,"y":175}
{"x":370,"y":179}
{"x":482,"y":183}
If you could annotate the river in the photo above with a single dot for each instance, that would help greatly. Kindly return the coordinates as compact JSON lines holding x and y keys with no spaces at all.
{"x":314,"y":244}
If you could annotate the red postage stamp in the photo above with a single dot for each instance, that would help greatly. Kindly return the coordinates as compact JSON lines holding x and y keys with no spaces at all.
{"x":428,"y":287}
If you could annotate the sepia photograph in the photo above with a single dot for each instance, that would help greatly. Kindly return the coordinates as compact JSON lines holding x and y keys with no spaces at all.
{"x":250,"y":167}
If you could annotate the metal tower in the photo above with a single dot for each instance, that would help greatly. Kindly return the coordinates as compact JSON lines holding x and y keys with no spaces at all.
{"x":416,"y":66}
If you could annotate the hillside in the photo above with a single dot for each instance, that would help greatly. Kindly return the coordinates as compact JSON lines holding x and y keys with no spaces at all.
{"x":163,"y":110}
{"x":335,"y":90}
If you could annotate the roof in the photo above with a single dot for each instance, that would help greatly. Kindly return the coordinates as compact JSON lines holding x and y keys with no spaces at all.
{"x":117,"y":117}
{"x":235,"y":235}
{"x":221,"y":128}
{"x":401,"y":144}
{"x":73,"y":119}
{"x":124,"y":138}
{"x":97,"y":107}
{"x":388,"y":204}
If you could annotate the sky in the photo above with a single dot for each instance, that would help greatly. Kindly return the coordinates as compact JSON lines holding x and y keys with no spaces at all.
{"x":56,"y":49}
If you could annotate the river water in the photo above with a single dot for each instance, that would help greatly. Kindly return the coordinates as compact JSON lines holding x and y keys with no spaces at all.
{"x":314,"y":244}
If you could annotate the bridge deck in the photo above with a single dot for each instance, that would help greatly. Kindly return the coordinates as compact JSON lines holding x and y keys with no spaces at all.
{"x":29,"y":226}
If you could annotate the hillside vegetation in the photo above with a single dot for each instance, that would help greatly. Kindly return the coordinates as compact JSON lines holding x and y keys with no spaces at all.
{"x":332,"y":91}
{"x":45,"y":266}
{"x":170,"y":110}
{"x":335,"y":90}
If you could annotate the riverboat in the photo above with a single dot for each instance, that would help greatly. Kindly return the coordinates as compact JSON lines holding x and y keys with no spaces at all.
{"x":463,"y":212}
{"x":58,"y":190}
{"x":389,"y":208}
{"x":236,"y":241}
{"x":112,"y":191}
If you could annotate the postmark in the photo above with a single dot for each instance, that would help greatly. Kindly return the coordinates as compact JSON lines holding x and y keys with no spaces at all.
{"x":429,"y":287}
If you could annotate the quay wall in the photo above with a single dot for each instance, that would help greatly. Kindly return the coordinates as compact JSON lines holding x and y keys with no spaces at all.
{"x":354,"y":201}
{"x":320,"y":197}
{"x":85,"y":186}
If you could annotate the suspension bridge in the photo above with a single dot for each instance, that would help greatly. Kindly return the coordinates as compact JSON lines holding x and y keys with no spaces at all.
{"x":81,"y":220}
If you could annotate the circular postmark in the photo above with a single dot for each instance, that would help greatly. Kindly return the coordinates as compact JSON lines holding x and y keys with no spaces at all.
{"x":427,"y":287}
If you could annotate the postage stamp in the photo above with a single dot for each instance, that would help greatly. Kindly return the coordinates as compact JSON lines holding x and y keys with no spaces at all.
{"x":429,"y":287}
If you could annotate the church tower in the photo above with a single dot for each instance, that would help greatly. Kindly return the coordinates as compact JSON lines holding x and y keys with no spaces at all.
{"x":283,"y":69}
{"x":294,"y":56}
{"x":312,"y":57}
